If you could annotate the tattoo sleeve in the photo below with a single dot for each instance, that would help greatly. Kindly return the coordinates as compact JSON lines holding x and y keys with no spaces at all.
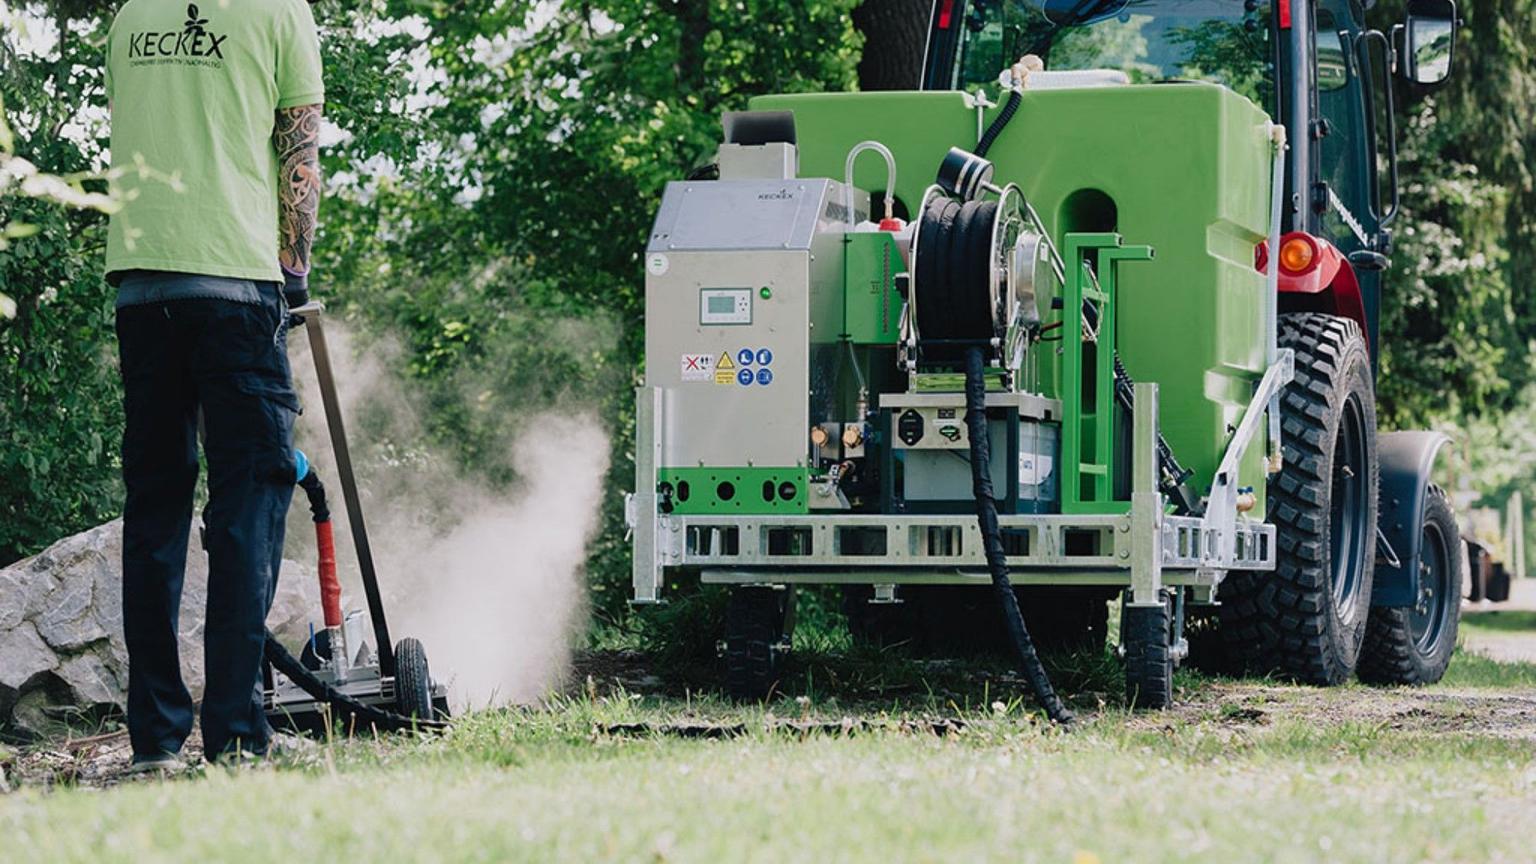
{"x":296,"y":135}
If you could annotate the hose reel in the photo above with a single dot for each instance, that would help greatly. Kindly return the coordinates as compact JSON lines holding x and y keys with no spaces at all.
{"x":978,"y":264}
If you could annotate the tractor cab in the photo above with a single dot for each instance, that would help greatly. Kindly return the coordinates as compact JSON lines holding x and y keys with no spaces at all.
{"x":1314,"y":65}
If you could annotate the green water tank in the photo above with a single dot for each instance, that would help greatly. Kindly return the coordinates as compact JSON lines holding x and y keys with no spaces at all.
{"x":1183,"y":167}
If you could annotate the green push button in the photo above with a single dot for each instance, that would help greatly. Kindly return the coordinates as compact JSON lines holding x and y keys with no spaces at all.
{"x":765,"y":293}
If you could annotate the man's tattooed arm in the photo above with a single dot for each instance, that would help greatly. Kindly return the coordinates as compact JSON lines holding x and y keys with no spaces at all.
{"x":297,"y":138}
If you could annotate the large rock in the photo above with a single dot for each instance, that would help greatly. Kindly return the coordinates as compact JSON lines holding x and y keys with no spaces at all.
{"x":62,"y":654}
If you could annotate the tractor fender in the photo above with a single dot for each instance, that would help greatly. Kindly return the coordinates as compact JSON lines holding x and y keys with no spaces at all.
{"x":1330,"y":287}
{"x":1406,"y":459}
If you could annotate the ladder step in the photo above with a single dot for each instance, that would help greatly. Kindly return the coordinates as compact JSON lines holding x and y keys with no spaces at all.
{"x":1093,"y":468}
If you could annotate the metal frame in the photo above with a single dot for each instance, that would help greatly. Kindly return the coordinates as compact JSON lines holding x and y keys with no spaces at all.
{"x":310,"y":315}
{"x":1144,"y":549}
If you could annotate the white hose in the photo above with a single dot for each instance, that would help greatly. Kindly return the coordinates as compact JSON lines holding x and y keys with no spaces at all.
{"x":890,"y":177}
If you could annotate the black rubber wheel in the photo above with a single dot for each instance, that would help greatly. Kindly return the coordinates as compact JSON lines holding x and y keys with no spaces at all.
{"x":413,"y":681}
{"x":1146,"y":634}
{"x":1413,"y":645}
{"x":1307,"y":619}
{"x":317,"y":651}
{"x":758,"y":624}
{"x":881,"y":625}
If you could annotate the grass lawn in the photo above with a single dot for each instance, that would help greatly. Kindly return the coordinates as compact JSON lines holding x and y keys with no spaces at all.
{"x":1240,"y":770}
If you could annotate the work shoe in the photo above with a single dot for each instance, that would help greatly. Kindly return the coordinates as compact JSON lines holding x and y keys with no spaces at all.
{"x":285,"y":747}
{"x":162,"y":763}
{"x":281,"y":747}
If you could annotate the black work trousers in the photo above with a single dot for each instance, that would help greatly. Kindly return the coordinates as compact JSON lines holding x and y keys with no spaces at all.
{"x":227,"y":361}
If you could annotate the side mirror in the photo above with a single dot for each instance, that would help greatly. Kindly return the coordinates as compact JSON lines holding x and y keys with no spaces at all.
{"x":1427,"y":41}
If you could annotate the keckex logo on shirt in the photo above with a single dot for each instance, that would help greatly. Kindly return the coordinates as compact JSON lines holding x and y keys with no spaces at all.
{"x":193,"y":45}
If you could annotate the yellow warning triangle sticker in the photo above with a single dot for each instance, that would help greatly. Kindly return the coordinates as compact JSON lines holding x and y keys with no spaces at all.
{"x":725,"y":361}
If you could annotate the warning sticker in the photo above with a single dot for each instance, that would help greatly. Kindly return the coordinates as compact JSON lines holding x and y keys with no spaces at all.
{"x":698,"y":367}
{"x":725,"y":369}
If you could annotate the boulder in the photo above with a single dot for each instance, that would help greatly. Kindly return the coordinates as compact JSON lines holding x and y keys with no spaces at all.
{"x":62,"y":654}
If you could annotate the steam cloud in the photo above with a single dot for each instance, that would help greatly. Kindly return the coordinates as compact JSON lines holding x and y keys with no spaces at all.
{"x":491,"y":581}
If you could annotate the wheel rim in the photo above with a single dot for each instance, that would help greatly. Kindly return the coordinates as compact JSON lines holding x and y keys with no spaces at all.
{"x":1350,"y":537}
{"x":1427,"y":620}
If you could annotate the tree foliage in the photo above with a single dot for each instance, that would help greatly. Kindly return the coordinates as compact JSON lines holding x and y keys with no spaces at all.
{"x":493,"y":170}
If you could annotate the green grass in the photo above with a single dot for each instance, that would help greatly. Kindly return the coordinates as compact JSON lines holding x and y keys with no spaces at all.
{"x":1243,"y":771}
{"x":1469,"y":669}
{"x":1509,"y":621}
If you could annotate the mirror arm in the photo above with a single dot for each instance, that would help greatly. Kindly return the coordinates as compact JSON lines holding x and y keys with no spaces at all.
{"x":1397,"y":40}
{"x":1391,"y":114}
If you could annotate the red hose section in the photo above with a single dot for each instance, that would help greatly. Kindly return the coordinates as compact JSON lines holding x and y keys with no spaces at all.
{"x":330,"y":586}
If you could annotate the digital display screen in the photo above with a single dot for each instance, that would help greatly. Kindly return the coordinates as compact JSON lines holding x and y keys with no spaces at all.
{"x":721,"y":305}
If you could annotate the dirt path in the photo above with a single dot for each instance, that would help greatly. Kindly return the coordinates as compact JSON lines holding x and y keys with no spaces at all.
{"x":1478,"y":712}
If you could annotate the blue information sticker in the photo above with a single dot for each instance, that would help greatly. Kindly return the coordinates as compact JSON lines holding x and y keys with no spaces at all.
{"x":764,"y":356}
{"x":764,"y":376}
{"x":744,"y":377}
{"x":744,"y":357}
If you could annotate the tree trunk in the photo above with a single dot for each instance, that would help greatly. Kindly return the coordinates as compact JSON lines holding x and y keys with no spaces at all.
{"x":895,"y":32}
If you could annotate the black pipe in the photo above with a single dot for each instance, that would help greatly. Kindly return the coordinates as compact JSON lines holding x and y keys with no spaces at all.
{"x":989,"y":137}
{"x":992,"y":540}
{"x":349,"y":710}
{"x":319,"y":510}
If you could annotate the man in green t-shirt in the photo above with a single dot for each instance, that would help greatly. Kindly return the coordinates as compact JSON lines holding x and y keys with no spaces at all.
{"x":226,"y":98}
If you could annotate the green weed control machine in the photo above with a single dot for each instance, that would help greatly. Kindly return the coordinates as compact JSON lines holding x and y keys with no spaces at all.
{"x":996,"y":352}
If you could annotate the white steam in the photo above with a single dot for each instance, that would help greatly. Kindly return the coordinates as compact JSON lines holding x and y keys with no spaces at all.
{"x":491,"y":582}
{"x":501,"y":595}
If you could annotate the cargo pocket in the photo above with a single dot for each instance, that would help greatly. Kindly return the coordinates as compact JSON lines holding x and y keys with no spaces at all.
{"x":274,"y":408}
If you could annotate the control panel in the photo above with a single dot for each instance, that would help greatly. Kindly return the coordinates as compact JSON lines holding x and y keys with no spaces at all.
{"x":725,"y":306}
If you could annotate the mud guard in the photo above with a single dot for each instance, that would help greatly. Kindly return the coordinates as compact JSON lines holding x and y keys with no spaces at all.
{"x":1406,"y":460}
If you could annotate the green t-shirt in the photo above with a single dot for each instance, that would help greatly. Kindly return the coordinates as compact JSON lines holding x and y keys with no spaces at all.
{"x":193,"y":90}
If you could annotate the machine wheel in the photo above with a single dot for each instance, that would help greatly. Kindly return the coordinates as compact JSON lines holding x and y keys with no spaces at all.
{"x":878,"y":625}
{"x":413,"y":682}
{"x":1146,"y":633}
{"x":1307,"y":619}
{"x":317,"y":651}
{"x":1413,"y":645}
{"x":758,"y":624}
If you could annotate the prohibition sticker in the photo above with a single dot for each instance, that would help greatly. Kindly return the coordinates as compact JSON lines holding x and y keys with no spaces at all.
{"x":698,"y":367}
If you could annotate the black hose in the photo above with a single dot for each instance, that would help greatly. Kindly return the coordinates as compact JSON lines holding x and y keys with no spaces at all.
{"x":992,"y":540}
{"x":314,"y":490}
{"x":350,"y":711}
{"x":988,"y":137}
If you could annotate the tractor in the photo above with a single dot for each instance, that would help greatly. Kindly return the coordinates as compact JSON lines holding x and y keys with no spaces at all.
{"x":1091,"y":316}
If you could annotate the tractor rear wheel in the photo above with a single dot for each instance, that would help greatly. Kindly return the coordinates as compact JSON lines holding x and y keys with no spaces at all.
{"x":1413,"y":645}
{"x":1307,"y":619}
{"x":759,"y":622}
